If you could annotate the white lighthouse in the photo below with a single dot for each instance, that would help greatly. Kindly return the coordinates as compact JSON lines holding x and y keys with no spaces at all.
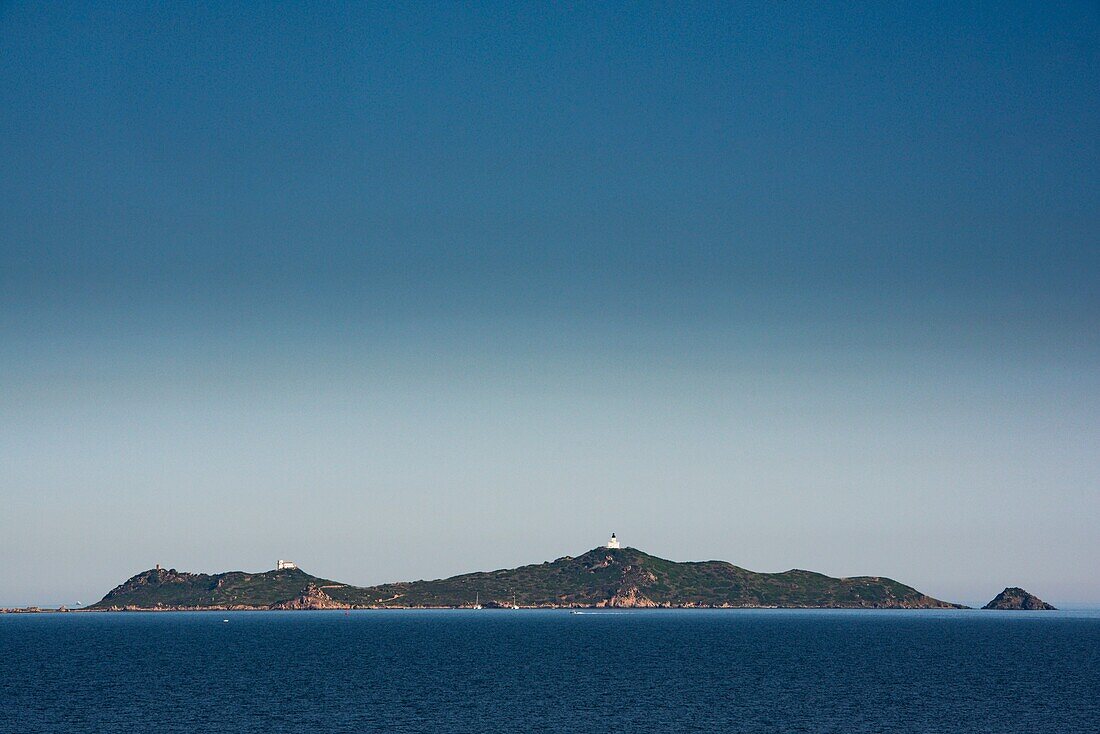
{"x":614,"y":542}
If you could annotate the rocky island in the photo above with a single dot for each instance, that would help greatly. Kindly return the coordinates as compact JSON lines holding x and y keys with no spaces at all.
{"x":602,"y":577}
{"x":1016,"y":598}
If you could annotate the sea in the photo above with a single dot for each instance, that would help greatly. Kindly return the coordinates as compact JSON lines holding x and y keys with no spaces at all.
{"x":551,"y":671}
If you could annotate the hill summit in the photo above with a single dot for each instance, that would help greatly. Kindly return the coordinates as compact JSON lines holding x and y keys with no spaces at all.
{"x":601,"y":577}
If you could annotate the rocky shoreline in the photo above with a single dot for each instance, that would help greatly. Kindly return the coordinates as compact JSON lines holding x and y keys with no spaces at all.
{"x":303,"y":603}
{"x":312,"y":602}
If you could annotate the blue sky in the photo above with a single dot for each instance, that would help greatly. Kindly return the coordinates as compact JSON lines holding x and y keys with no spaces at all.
{"x":402,"y":291}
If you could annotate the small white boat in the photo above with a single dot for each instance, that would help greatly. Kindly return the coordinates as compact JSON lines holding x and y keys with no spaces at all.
{"x":514,"y":605}
{"x":477,"y":601}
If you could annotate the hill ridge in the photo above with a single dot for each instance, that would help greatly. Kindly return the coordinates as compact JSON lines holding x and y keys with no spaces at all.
{"x":601,"y":577}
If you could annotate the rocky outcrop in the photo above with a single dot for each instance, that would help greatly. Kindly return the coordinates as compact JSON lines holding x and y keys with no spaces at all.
{"x":628,"y":596}
{"x":1016,"y":598}
{"x":631,"y":579}
{"x":312,"y":597}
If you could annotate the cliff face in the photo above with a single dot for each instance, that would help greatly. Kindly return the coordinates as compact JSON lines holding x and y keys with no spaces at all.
{"x":602,"y":577}
{"x":1016,"y":598}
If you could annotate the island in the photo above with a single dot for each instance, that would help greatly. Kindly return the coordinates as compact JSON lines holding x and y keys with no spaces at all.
{"x":609,"y":576}
{"x":1015,"y":598}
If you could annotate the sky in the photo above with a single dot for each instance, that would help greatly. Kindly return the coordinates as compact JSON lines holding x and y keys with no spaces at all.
{"x":400,"y":291}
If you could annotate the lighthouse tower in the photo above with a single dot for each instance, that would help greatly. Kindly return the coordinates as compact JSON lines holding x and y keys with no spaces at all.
{"x":614,"y":542}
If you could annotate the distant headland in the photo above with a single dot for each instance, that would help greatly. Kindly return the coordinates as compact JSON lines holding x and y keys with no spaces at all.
{"x":607,"y":576}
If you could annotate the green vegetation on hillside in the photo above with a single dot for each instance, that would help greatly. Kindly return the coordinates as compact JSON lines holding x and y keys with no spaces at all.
{"x":170,"y":588}
{"x":623,"y":577}
{"x":629,"y":577}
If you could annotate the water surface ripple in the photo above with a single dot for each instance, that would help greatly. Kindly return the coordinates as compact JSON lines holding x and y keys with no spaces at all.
{"x":551,"y":671}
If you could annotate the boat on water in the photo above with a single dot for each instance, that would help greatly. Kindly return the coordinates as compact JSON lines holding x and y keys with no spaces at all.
{"x":514,"y":605}
{"x":477,"y":601}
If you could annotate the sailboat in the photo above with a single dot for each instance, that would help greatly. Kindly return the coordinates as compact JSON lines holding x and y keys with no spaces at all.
{"x":477,"y":601}
{"x":514,"y":605}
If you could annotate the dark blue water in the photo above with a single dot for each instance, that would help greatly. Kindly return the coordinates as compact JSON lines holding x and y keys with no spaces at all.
{"x":508,"y":671}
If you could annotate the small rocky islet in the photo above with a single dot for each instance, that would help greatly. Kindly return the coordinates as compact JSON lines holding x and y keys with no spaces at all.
{"x":1015,"y":598}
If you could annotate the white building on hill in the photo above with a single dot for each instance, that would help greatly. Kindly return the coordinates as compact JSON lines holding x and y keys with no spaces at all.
{"x":614,"y":542}
{"x":281,"y":564}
